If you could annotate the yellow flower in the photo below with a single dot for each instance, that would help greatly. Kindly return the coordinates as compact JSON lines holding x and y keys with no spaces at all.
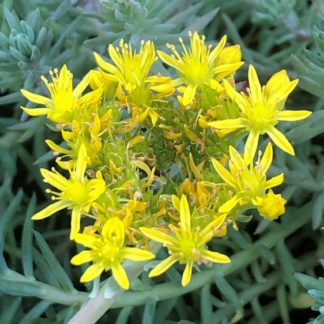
{"x":107,"y":251}
{"x":248,"y":183}
{"x":64,"y":99}
{"x":130,"y":71}
{"x":261,"y":110}
{"x":187,"y":245}
{"x":201,"y":65}
{"x":271,"y":206}
{"x":77,"y":193}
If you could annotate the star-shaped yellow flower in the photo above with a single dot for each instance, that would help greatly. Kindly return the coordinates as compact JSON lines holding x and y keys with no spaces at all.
{"x":108,"y":251}
{"x":249,"y":184}
{"x":187,"y":245}
{"x":261,"y":110}
{"x":64,"y":100}
{"x":130,"y":72}
{"x":77,"y":193}
{"x":201,"y":65}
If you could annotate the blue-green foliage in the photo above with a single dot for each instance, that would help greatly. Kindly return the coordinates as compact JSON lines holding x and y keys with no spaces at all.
{"x":315,"y":288}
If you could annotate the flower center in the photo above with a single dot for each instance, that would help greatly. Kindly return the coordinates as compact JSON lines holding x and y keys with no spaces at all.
{"x":251,"y":182}
{"x":109,"y":254}
{"x":195,"y":71}
{"x":261,"y":116}
{"x":188,"y":250}
{"x":77,"y":192}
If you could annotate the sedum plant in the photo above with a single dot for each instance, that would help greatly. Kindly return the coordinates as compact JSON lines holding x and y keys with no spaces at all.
{"x":155,"y":170}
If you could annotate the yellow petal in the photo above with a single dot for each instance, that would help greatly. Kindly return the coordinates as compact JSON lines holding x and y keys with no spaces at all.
{"x":81,"y":86}
{"x":158,"y":236}
{"x":224,"y":70}
{"x":236,"y":158}
{"x":105,"y":65}
{"x":217,"y":50}
{"x":82,"y":257}
{"x":163,"y":266}
{"x":229,"y":205}
{"x":230,"y":54}
{"x":114,"y":230}
{"x":75,"y":222}
{"x":229,"y":123}
{"x":215,"y":257}
{"x":176,"y":202}
{"x":51,"y":209}
{"x":271,"y":206}
{"x":35,"y":111}
{"x":276,"y":82}
{"x":237,"y":97}
{"x":88,"y":240}
{"x":115,"y":56}
{"x":266,"y":158}
{"x":142,"y":165}
{"x":184,"y":215}
{"x":163,"y":87}
{"x":186,"y":276}
{"x":81,"y":163}
{"x":56,"y":148}
{"x":55,"y":179}
{"x":280,"y":140}
{"x":275,"y":181}
{"x":251,"y":146}
{"x":154,"y":116}
{"x":292,"y":115}
{"x":136,"y":254}
{"x":207,"y":233}
{"x":92,"y":272}
{"x":120,"y":275}
{"x":168,"y":59}
{"x":283,"y":92}
{"x":230,"y":90}
{"x":223,"y":173}
{"x":254,"y":85}
{"x":189,"y":94}
{"x":35,"y":97}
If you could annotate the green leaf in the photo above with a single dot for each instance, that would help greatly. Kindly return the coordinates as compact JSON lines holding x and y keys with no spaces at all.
{"x":124,"y":315}
{"x":12,"y":20}
{"x":13,"y":285}
{"x":184,"y":14}
{"x":7,"y":217}
{"x":287,"y":266}
{"x":201,"y":22}
{"x":318,"y":210}
{"x":266,"y":253}
{"x":311,"y":127}
{"x":164,"y":308}
{"x":283,"y":305}
{"x":10,"y":310}
{"x":149,"y":311}
{"x":27,"y":240}
{"x":10,"y":98}
{"x":35,"y":313}
{"x":206,"y":307}
{"x":228,"y":291}
{"x":57,"y":270}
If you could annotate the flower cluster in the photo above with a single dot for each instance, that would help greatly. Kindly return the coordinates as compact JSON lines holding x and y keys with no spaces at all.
{"x":148,"y":157}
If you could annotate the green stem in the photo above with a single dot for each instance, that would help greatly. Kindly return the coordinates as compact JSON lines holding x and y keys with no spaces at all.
{"x":97,"y":306}
{"x":92,"y":311}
